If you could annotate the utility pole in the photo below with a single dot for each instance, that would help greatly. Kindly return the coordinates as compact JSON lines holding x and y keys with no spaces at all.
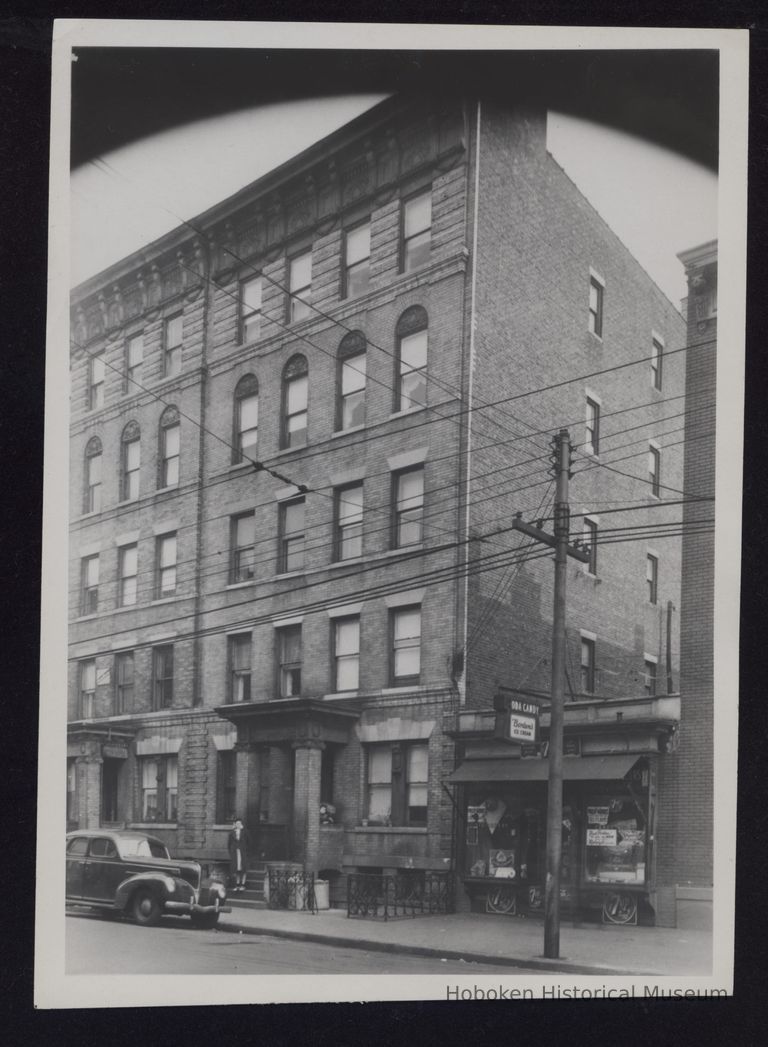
{"x":561,"y":464}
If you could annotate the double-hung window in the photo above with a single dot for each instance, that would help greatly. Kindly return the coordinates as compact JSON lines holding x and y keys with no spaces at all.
{"x":291,"y":556}
{"x":295,"y":401}
{"x":587,"y":665}
{"x":170,"y":448}
{"x":134,"y":358}
{"x":346,"y":654}
{"x":589,"y":539}
{"x":289,"y":657}
{"x":130,"y":462}
{"x":352,"y":391}
{"x":173,"y":334}
{"x":349,"y":521}
{"x":124,"y":682}
{"x":596,"y":291}
{"x":246,"y":419}
{"x":250,"y":309}
{"x":89,"y":569}
{"x":406,"y":646}
{"x":398,"y":783}
{"x":165,"y":566}
{"x":159,"y":788}
{"x":417,"y":231}
{"x":592,"y":428}
{"x":654,"y":469}
{"x":96,"y":382}
{"x":300,"y":286}
{"x":408,"y":507}
{"x":357,"y":260}
{"x":87,"y":688}
{"x":239,"y":656}
{"x":412,"y":370}
{"x":652,"y":577}
{"x":162,"y":666}
{"x":651,"y":676}
{"x":243,"y":547}
{"x":92,"y":486}
{"x":128,"y":566}
{"x":657,"y":361}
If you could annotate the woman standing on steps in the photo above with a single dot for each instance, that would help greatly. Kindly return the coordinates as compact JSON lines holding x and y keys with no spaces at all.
{"x":237,"y":845}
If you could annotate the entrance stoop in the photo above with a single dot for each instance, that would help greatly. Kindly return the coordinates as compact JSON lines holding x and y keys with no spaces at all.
{"x":253,"y":895}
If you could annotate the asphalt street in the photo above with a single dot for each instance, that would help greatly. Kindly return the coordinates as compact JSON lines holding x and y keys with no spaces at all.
{"x":99,"y":945}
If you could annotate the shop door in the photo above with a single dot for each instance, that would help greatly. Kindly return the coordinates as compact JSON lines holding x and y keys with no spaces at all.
{"x":110,"y":776}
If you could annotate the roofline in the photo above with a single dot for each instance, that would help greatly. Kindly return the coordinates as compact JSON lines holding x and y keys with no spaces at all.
{"x":704,"y":254}
{"x":271,"y":180}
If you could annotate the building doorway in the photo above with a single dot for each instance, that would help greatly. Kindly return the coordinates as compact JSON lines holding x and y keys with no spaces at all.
{"x":110,"y":779}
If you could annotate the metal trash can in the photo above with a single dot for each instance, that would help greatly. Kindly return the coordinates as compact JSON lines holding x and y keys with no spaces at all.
{"x":322,"y":894}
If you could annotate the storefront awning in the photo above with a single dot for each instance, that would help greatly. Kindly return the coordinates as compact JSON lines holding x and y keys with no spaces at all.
{"x":575,"y":769}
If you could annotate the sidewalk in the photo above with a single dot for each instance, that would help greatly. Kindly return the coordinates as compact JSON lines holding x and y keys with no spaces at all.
{"x":591,"y":949}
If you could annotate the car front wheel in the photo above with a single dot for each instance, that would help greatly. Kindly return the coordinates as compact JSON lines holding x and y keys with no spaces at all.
{"x":146,"y":908}
{"x":206,"y":921}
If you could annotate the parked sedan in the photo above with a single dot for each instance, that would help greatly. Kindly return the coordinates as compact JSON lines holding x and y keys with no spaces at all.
{"x":133,"y":873}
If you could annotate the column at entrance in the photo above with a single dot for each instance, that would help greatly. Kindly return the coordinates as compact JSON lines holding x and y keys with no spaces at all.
{"x":306,"y":802}
{"x":248,"y":784}
{"x":88,"y":770}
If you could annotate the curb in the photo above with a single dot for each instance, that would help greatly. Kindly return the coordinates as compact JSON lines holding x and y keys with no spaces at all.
{"x":538,"y":963}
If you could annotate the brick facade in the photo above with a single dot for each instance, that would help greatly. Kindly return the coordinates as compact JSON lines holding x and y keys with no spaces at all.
{"x":504,"y":296}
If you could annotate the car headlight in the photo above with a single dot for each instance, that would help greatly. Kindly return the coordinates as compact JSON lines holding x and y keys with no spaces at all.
{"x":170,"y":884}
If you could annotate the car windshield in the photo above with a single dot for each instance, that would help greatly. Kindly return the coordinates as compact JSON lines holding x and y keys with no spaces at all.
{"x":142,"y":847}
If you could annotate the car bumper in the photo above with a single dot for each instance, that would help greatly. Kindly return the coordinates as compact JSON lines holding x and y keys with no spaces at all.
{"x":194,"y":907}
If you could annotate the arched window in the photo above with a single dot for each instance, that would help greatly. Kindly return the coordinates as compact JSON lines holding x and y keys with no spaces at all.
{"x":130,"y":462}
{"x":351,"y":381}
{"x":246,"y":420}
{"x":170,"y":447}
{"x":92,"y":476}
{"x":295,"y":394}
{"x":411,"y":359}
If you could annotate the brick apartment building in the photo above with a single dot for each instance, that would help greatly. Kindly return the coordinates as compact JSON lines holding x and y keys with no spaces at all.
{"x":301,"y":427}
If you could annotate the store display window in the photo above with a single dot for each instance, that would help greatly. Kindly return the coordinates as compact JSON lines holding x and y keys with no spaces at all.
{"x":614,"y":840}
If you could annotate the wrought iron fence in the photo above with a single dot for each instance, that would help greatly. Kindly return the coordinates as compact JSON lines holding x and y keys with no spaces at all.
{"x":289,"y":889}
{"x":375,"y":895}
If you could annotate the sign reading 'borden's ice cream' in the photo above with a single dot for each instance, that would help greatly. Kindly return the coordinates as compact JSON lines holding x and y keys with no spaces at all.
{"x":520,"y":728}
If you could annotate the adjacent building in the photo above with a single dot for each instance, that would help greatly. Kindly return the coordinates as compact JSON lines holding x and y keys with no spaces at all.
{"x":301,"y":427}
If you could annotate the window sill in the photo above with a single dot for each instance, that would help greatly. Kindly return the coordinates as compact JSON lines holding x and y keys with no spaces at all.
{"x":88,"y":617}
{"x":347,"y":432}
{"x":400,"y":688}
{"x":340,"y":695}
{"x":289,"y":574}
{"x":408,"y":411}
{"x":91,"y":515}
{"x":403,"y":550}
{"x":414,"y":830}
{"x":290,"y":450}
{"x":351,"y":561}
{"x":240,"y":466}
{"x":165,"y":599}
{"x":126,"y":607}
{"x":165,"y":490}
{"x":124,"y":502}
{"x":240,"y":585}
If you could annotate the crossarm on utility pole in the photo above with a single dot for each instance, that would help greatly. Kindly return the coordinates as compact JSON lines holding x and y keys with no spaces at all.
{"x":577,"y":552}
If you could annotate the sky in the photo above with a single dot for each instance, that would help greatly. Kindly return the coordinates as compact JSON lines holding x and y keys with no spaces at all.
{"x":657,"y":202}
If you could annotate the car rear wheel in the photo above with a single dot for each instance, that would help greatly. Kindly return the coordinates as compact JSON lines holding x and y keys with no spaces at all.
{"x":146,"y":908}
{"x":205,"y":920}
